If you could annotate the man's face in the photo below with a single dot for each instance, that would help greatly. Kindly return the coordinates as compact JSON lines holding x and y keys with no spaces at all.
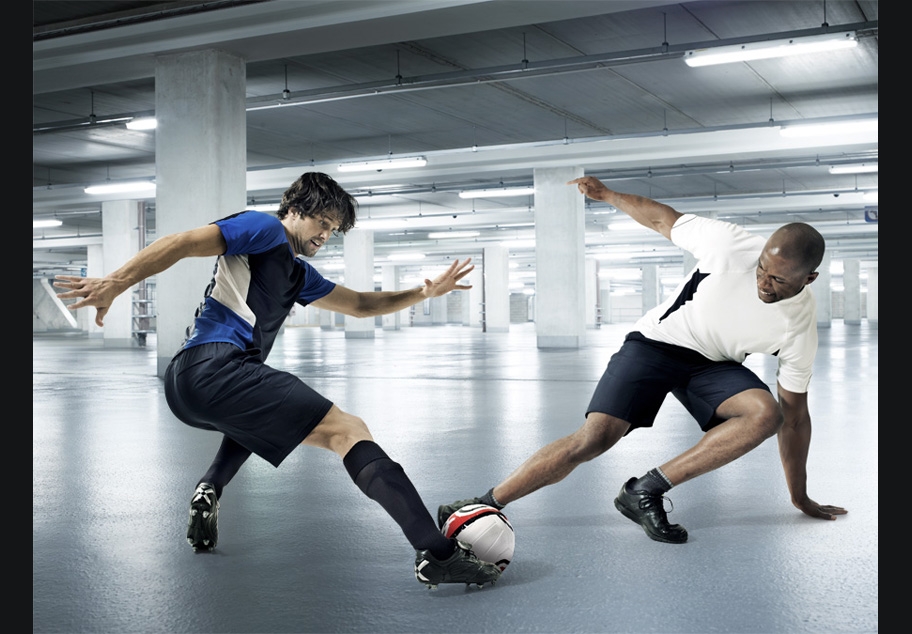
{"x":779,"y":278}
{"x":308,"y":233}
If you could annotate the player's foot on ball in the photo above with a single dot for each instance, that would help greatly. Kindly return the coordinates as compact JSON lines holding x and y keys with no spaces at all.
{"x":461,"y":567}
{"x":202,"y":526}
{"x":445,"y":510}
{"x":648,"y":510}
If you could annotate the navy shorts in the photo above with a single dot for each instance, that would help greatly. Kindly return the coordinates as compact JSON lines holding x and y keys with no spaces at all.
{"x":219,"y":387}
{"x":641,"y":374}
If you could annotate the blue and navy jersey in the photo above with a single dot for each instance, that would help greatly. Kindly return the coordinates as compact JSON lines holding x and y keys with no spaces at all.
{"x":255,"y":285}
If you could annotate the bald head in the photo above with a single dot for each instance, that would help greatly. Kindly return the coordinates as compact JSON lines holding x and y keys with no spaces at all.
{"x":799,"y":243}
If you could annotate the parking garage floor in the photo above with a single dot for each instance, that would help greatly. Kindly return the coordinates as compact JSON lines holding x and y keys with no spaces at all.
{"x":302,"y":550}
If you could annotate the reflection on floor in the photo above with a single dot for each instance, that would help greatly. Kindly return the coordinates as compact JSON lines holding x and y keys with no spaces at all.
{"x":302,"y":550}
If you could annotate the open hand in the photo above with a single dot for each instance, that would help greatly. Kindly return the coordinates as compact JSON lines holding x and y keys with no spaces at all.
{"x":820,"y":511}
{"x":446,"y":281}
{"x":94,"y":291}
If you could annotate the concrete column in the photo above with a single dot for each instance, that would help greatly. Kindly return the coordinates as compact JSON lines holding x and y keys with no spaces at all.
{"x":438,"y":310}
{"x":496,"y":289}
{"x":560,"y":289}
{"x":327,"y":320}
{"x":201,"y":172}
{"x":471,"y":299}
{"x":652,"y":287}
{"x":592,"y":293}
{"x":851,"y":282}
{"x":390,"y":282}
{"x":94,"y":268}
{"x":358,"y":247}
{"x":605,"y":300}
{"x":823,"y":293}
{"x":120,"y":242}
{"x":872,"y":295}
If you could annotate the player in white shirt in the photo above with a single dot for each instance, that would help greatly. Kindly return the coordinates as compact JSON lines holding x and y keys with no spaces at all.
{"x":745,"y":295}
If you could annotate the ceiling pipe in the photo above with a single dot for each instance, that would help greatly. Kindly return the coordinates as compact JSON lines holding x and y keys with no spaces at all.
{"x":476,"y":76}
{"x":527,"y":69}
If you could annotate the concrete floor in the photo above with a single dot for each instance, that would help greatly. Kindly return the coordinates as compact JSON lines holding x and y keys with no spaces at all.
{"x":302,"y":550}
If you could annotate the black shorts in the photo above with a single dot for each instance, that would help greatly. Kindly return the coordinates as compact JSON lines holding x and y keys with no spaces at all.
{"x":219,"y":387}
{"x":641,"y":374}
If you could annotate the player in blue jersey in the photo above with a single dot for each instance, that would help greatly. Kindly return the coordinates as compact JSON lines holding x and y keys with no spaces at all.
{"x":219,"y":379}
{"x":746,"y":295}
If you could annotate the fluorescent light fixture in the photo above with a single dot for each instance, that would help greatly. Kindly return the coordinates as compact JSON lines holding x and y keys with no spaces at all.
{"x":772,"y":48}
{"x":869,"y":197}
{"x":519,"y":244}
{"x":382,"y":223}
{"x":621,"y":274}
{"x":44,"y":224}
{"x":624,"y":225}
{"x":273,"y":207}
{"x":121,"y":188}
{"x":142,"y":123}
{"x":383,"y":164}
{"x":834,"y":128}
{"x":860,"y":168}
{"x":497,"y":193}
{"x":434,"y":235}
{"x":405,"y":257}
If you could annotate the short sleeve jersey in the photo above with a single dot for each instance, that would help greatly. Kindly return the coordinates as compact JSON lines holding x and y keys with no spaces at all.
{"x":256,"y":283}
{"x":716,"y":310}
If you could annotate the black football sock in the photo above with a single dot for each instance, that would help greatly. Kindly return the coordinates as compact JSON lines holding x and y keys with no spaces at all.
{"x":385,"y":482}
{"x":228,"y":461}
{"x":489,"y":499}
{"x":654,"y":482}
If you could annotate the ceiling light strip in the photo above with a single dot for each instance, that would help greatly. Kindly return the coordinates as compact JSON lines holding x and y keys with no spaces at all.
{"x":771,"y":49}
{"x":382,"y":164}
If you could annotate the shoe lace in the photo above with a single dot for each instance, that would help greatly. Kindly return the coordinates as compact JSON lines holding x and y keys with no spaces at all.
{"x":202,"y":495}
{"x":649,"y":501}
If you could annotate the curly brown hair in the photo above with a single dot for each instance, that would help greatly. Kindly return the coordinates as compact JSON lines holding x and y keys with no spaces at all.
{"x":314,"y":194}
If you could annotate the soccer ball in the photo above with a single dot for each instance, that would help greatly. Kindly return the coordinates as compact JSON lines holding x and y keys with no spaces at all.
{"x":487,"y":530}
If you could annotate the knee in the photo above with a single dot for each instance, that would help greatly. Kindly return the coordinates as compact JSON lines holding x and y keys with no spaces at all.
{"x":338,"y":432}
{"x":770,"y":417}
{"x":595,"y":437}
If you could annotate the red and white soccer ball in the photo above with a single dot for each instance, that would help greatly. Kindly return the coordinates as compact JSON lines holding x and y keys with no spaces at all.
{"x":488,"y":531}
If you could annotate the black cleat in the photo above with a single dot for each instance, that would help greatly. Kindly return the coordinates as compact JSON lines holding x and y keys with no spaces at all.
{"x":202,"y":526}
{"x":462,"y":567}
{"x":647,"y":510}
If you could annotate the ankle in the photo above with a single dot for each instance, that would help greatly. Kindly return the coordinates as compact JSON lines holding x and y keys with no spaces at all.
{"x":489,"y":499}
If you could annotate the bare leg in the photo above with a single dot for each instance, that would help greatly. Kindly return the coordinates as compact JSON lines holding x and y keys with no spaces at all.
{"x":751,"y":417}
{"x":554,"y":462}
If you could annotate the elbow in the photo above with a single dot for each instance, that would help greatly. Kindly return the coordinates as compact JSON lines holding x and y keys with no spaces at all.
{"x":363,"y":311}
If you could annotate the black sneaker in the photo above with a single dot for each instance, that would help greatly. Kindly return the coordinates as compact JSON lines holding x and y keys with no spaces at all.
{"x":202,"y":526}
{"x":462,"y":567}
{"x":647,"y":510}
{"x":445,"y":510}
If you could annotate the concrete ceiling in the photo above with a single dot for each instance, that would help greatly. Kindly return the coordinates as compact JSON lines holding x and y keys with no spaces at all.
{"x":487,"y":91}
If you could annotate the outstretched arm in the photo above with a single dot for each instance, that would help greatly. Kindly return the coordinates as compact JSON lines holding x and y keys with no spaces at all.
{"x":155,"y":258}
{"x":794,"y":442}
{"x":649,"y":213}
{"x":369,"y":304}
